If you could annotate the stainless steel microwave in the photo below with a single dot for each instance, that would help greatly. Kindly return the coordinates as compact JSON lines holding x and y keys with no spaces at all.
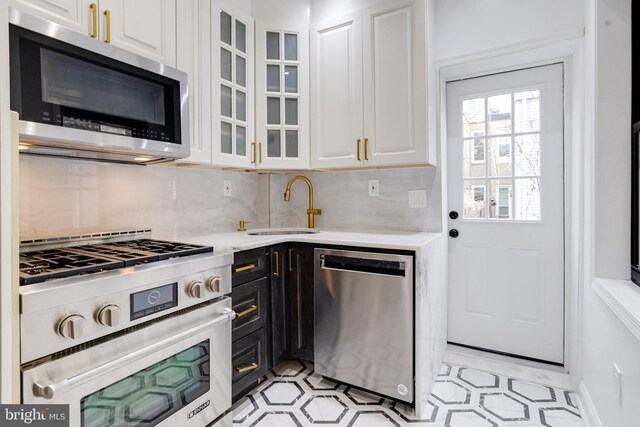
{"x":81,"y":97}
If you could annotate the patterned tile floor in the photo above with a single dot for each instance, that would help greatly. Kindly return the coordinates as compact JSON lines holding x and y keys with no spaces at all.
{"x":293,"y":395}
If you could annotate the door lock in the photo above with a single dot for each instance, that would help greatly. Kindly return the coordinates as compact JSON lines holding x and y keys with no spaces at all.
{"x":454,"y":233}
{"x":453,"y":215}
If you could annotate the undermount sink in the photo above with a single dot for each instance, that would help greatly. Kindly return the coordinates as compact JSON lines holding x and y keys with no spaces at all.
{"x":281,"y":231}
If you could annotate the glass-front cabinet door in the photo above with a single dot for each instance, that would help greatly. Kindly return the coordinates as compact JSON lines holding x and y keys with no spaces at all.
{"x":232,"y":91}
{"x":282,"y":104}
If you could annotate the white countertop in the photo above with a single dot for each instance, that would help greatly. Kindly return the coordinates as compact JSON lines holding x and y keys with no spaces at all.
{"x":240,"y":241}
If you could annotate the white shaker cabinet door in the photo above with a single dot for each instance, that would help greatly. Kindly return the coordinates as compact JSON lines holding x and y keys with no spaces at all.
{"x":145,"y":27}
{"x":73,"y":14}
{"x":394,"y":74}
{"x":194,"y":58}
{"x":336,"y":93}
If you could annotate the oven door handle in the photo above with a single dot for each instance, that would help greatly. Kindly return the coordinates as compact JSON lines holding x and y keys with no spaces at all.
{"x":50,"y":389}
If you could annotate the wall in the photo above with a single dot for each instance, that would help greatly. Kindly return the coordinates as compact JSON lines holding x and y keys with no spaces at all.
{"x":606,"y":339}
{"x":467,"y":27}
{"x":346,"y":204}
{"x":62,"y":196}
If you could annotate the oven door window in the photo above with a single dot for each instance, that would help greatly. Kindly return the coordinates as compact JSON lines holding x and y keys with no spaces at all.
{"x":151,"y":395}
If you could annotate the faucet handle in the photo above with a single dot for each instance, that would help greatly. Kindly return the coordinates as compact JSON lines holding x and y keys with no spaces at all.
{"x":241,"y":227}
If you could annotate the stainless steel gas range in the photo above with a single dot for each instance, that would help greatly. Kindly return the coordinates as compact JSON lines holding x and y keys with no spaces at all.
{"x":127,"y":330}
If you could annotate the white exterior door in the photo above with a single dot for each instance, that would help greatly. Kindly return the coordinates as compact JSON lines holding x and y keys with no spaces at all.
{"x":505,"y":181}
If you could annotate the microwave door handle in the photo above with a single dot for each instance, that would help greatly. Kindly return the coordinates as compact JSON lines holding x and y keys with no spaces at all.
{"x":50,"y":389}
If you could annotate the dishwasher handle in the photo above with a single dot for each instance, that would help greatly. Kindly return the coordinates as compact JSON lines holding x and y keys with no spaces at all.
{"x":363,"y":265}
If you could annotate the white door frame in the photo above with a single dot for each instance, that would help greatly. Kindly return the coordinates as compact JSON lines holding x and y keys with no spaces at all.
{"x":564,"y":52}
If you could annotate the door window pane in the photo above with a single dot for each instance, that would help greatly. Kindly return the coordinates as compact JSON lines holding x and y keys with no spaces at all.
{"x":473,"y":158}
{"x":473,"y":117}
{"x":225,"y":137}
{"x":292,"y":143}
{"x":241,"y":37}
{"x":527,"y":155}
{"x":241,"y":71}
{"x":500,"y":199}
{"x":273,"y":78}
{"x":499,"y":153}
{"x":291,"y":47}
{"x":225,"y":101}
{"x":273,"y":111}
{"x":499,"y":114}
{"x":474,"y":199}
{"x":273,"y":143}
{"x":225,"y":27}
{"x":528,"y":199}
{"x":241,"y":106}
{"x":241,"y":141}
{"x":527,"y":111}
{"x":291,"y":111}
{"x":291,"y":79}
{"x":273,"y":45}
{"x":225,"y":64}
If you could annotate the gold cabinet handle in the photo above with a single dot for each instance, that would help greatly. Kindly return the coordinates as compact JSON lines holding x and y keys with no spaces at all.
{"x":94,"y":20}
{"x":366,"y":148}
{"x":260,"y":152}
{"x":290,"y":260}
{"x":251,"y":367}
{"x":358,"y":150}
{"x":247,"y":311}
{"x":107,"y":13}
{"x":277,"y":272}
{"x":244,"y":268}
{"x":253,"y":152}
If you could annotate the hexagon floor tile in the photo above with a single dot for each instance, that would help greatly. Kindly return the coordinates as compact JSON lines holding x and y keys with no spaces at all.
{"x":292,"y":395}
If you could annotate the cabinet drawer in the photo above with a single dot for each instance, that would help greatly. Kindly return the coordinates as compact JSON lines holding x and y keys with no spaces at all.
{"x":248,"y":266}
{"x":251,"y":304}
{"x":250,"y":360}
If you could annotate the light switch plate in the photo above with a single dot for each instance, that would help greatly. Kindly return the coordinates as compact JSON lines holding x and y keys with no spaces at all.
{"x":374,"y":188}
{"x":417,"y":198}
{"x":226,"y":189}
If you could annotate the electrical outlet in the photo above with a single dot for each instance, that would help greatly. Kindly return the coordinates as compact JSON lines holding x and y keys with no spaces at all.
{"x":417,"y":198}
{"x":374,"y":188}
{"x":226,"y":189}
{"x":617,"y":374}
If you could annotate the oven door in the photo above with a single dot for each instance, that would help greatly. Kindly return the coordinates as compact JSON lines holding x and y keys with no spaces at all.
{"x":167,"y":374}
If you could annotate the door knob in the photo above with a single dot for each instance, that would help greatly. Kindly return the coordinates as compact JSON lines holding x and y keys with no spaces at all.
{"x":454,"y":233}
{"x":453,"y":215}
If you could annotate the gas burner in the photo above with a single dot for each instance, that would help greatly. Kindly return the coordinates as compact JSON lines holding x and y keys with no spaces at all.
{"x":38,"y":266}
{"x":48,"y":264}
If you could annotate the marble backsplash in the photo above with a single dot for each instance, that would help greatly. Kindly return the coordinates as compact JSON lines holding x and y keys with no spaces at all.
{"x":346,"y":204}
{"x":64,"y":196}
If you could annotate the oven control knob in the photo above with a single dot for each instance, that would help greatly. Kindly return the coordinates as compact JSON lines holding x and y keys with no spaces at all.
{"x":194,"y":289}
{"x":108,"y":315}
{"x":214,"y":283}
{"x":72,"y":326}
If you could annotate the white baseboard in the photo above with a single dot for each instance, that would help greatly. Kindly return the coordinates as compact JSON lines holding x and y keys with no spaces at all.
{"x":589,"y":414}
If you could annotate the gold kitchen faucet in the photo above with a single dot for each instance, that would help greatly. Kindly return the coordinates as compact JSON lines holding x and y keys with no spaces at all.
{"x":311,"y":212}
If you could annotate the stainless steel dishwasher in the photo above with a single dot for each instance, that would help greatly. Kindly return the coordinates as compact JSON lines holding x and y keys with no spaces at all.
{"x":364,"y":320}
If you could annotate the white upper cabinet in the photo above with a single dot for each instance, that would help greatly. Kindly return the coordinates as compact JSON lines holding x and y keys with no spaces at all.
{"x":336,"y":91}
{"x":282,"y":96}
{"x":194,"y":58}
{"x":145,"y":27}
{"x":369,"y":92}
{"x":232,"y":53}
{"x":73,"y":14}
